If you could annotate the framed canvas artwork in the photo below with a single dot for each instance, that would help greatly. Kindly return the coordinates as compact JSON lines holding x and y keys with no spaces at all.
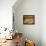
{"x":29,"y":19}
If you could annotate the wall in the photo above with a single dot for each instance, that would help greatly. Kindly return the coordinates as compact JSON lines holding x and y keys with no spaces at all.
{"x":6,"y":13}
{"x":28,"y":7}
{"x":43,"y":22}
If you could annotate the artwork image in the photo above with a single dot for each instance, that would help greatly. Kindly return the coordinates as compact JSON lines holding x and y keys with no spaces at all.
{"x":29,"y":19}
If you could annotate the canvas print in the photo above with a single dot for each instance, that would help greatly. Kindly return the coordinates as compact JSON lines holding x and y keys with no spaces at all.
{"x":29,"y":19}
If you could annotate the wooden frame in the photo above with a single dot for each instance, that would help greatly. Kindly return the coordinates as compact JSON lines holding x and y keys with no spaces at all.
{"x":29,"y":19}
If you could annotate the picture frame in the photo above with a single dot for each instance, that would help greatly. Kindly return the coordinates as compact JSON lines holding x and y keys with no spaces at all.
{"x":28,"y":19}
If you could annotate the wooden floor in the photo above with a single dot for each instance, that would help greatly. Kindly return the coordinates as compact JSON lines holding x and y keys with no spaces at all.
{"x":9,"y":43}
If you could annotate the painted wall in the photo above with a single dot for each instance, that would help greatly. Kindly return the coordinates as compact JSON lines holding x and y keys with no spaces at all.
{"x":28,"y":7}
{"x":43,"y":22}
{"x":36,"y":32}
